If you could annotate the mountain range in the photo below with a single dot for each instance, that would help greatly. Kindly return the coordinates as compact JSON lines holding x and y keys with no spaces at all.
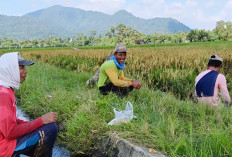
{"x":65,"y":22}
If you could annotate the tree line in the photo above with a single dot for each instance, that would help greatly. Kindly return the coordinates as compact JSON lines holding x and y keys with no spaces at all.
{"x":126,"y":35}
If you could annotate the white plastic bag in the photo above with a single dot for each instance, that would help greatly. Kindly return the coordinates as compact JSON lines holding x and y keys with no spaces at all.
{"x":123,"y":116}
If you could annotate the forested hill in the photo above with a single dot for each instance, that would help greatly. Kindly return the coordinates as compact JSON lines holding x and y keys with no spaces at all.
{"x":66,"y":22}
{"x":23,"y":28}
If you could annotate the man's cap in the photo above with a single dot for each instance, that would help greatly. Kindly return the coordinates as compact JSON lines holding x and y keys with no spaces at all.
{"x":22,"y":61}
{"x":216,"y":58}
{"x":120,"y":48}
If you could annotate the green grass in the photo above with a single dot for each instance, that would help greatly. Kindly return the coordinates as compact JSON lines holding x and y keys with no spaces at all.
{"x":174,"y":127}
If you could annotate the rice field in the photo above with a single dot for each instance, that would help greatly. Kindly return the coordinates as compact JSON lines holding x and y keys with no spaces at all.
{"x":168,"y":68}
{"x":168,"y":118}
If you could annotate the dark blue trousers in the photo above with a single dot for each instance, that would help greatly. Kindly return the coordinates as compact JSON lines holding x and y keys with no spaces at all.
{"x":38,"y":143}
{"x":121,"y":91}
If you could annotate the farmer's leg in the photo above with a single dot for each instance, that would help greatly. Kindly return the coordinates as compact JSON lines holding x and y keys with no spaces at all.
{"x":121,"y":91}
{"x":106,"y":89}
{"x":37,"y":143}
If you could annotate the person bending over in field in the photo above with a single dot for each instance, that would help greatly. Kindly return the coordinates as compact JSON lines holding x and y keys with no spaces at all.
{"x":32,"y":138}
{"x":209,"y":83}
{"x":111,"y":78}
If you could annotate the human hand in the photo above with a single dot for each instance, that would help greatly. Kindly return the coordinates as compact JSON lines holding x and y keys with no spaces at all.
{"x":50,"y":117}
{"x":136,"y":84}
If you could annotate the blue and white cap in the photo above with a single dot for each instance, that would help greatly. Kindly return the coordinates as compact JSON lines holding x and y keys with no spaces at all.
{"x":23,"y":61}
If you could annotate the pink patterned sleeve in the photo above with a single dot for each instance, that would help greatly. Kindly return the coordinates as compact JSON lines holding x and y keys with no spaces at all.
{"x":223,"y":88}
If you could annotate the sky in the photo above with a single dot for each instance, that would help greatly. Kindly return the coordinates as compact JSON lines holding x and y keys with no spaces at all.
{"x":196,"y":14}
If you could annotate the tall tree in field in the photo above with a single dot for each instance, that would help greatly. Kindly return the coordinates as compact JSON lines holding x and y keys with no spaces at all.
{"x":66,"y":42}
{"x":54,"y":41}
{"x":28,"y":43}
{"x":80,"y":40}
{"x":193,"y":36}
{"x":147,"y":39}
{"x":223,"y":30}
{"x":155,"y":37}
{"x":15,"y":43}
{"x":92,"y":37}
{"x":179,"y":37}
{"x":121,"y":32}
{"x":7,"y":42}
{"x":203,"y":35}
{"x":212,"y":36}
{"x":35,"y":43}
{"x":127,"y":35}
{"x":111,"y":32}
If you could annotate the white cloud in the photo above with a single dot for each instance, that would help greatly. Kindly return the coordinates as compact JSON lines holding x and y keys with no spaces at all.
{"x":226,"y":12}
{"x":196,"y":14}
{"x":206,"y":18}
{"x":229,"y":4}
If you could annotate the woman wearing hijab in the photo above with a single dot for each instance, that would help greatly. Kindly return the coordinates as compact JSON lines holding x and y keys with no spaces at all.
{"x":32,"y":138}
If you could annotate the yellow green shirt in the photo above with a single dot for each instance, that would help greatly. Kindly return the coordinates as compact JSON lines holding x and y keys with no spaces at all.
{"x":110,"y":73}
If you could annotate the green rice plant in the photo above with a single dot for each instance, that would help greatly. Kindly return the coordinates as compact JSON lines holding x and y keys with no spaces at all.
{"x":170,"y":68}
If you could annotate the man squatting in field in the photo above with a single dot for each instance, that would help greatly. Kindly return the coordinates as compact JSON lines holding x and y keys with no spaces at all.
{"x":209,"y":83}
{"x":111,"y":78}
{"x":32,"y":138}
